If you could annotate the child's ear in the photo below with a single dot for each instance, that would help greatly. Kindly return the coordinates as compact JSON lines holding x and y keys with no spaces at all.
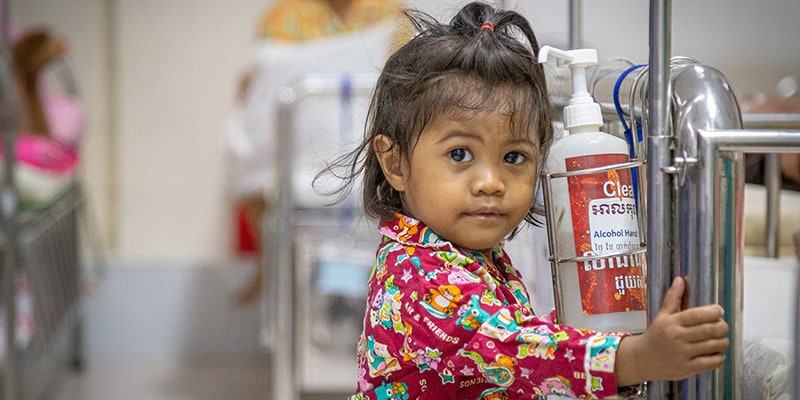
{"x":391,"y":161}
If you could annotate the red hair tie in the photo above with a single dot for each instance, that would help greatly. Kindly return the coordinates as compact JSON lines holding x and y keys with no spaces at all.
{"x":487,"y":25}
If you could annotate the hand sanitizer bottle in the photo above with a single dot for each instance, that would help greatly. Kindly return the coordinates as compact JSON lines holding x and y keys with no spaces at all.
{"x":594,"y":213}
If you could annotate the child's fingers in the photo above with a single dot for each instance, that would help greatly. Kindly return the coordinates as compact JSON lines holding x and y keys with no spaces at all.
{"x":708,"y":347}
{"x":673,"y":297}
{"x":686,"y":292}
{"x":701,"y":315}
{"x":707,"y":362}
{"x":699,"y":333}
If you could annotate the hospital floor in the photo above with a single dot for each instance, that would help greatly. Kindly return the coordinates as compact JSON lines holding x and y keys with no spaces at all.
{"x":172,"y":381}
{"x":170,"y":333}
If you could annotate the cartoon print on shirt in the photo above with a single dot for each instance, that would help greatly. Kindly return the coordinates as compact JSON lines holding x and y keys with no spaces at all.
{"x":393,"y":391}
{"x":411,"y":258}
{"x":544,"y":351}
{"x":536,"y":334}
{"x":406,"y":275}
{"x":500,"y":372}
{"x":431,"y":276}
{"x":600,"y":351}
{"x":380,"y":266}
{"x":381,"y":362}
{"x":596,"y":383}
{"x":540,"y":342}
{"x":490,"y":299}
{"x":556,"y":385}
{"x":362,"y":376}
{"x":499,"y":326}
{"x":386,"y":307}
{"x":482,"y":272}
{"x":452,"y":258}
{"x":447,"y":376}
{"x":405,"y":350}
{"x":428,"y":359}
{"x":442,"y":302}
{"x":519,"y":291}
{"x":404,"y":230}
{"x":460,"y":276}
{"x":494,"y":394}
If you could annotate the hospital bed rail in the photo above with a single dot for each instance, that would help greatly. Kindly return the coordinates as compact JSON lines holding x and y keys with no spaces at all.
{"x":694,"y":140}
{"x":41,"y":266}
{"x":280,"y":331}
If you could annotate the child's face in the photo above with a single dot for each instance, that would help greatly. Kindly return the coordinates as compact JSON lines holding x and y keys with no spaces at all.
{"x":470,"y":179}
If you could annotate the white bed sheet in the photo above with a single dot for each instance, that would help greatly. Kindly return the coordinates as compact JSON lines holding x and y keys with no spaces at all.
{"x":770,"y":292}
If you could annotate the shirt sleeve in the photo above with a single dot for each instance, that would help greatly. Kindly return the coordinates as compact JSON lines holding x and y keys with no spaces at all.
{"x":467,"y":325}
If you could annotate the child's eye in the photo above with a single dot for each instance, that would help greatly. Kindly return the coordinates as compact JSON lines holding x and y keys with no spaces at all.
{"x":514,"y":158}
{"x":460,"y":155}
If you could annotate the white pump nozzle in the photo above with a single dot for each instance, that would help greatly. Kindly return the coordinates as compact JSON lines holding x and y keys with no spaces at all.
{"x":582,"y":112}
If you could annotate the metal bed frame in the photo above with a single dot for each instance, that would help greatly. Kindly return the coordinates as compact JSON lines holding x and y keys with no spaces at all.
{"x":287,"y":283}
{"x":40,"y":247}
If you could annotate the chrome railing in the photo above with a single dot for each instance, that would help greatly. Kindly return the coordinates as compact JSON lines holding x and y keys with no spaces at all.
{"x":279,"y":330}
{"x":695,"y":141}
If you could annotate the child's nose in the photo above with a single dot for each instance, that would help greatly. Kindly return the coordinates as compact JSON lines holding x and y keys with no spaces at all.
{"x":488,"y":181}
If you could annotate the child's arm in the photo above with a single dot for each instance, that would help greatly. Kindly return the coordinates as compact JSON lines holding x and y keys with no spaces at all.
{"x":678,"y":343}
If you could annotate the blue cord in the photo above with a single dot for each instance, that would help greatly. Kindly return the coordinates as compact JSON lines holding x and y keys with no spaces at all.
{"x":627,"y":130}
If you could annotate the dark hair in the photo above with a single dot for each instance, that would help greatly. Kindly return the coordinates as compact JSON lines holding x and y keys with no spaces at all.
{"x":483,"y":55}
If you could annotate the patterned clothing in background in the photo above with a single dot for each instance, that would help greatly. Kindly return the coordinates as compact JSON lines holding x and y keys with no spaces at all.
{"x":445,"y":323}
{"x":301,"y":20}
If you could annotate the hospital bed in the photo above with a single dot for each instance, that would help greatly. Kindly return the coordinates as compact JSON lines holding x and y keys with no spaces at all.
{"x":42,"y":275}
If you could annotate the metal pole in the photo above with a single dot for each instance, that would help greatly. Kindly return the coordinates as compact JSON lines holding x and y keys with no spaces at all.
{"x":659,"y":195}
{"x":575,"y":24}
{"x":772,"y":182}
{"x":281,"y":296}
{"x":8,"y":210}
{"x":714,"y":146}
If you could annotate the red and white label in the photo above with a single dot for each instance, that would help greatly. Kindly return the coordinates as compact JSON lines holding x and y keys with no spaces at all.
{"x":604,"y":222}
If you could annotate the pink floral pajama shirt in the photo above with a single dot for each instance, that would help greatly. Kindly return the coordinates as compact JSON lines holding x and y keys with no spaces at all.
{"x":442,"y":323}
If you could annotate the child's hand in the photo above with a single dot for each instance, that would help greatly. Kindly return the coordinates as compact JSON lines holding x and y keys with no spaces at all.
{"x":677,"y":344}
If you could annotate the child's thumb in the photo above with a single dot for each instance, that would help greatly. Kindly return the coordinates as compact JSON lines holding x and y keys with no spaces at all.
{"x":673,"y":297}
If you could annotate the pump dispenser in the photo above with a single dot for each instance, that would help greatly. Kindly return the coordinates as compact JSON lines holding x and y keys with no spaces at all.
{"x":596,"y":251}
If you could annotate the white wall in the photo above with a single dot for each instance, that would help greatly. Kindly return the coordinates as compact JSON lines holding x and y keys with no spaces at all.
{"x":159,"y":78}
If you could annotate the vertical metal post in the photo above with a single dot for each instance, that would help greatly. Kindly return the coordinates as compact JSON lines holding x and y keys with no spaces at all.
{"x":8,"y":210}
{"x":772,"y":182}
{"x":575,"y":24}
{"x":282,"y":289}
{"x":658,"y":185}
{"x":659,"y":195}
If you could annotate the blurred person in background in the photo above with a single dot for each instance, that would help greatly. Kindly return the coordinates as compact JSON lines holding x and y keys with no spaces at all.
{"x":299,"y":22}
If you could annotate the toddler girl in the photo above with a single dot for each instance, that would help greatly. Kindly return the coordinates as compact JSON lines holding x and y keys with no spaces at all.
{"x":459,"y":121}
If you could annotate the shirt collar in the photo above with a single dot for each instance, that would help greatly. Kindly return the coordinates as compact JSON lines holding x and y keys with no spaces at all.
{"x":410,"y":231}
